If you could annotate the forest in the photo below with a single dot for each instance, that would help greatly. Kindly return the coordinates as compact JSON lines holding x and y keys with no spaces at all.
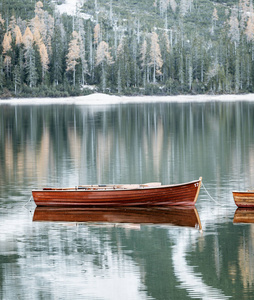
{"x":153,"y":47}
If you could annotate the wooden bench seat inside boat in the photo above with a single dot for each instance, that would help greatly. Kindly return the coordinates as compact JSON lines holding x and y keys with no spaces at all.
{"x":109,"y":186}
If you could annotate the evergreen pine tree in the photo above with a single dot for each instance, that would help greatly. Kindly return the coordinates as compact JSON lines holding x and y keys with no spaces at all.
{"x":1,"y":73}
{"x":17,"y":79}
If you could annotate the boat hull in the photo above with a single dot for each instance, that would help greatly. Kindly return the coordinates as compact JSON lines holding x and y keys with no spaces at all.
{"x":244,"y":199}
{"x":173,"y":215}
{"x":185,"y":194}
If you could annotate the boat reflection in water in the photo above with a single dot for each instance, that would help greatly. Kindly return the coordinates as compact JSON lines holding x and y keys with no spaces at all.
{"x":180,"y":216}
{"x":244,"y":215}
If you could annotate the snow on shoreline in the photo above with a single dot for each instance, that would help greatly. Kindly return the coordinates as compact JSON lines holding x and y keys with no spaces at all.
{"x":104,"y":99}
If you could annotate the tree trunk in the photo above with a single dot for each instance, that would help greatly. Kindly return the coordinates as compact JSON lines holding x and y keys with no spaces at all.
{"x":74,"y":75}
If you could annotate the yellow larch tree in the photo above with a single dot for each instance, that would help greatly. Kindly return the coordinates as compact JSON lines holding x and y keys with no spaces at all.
{"x":44,"y":59}
{"x":28,"y":41}
{"x":144,"y":61}
{"x":7,"y":42}
{"x":37,"y":24}
{"x":103,"y":54}
{"x":73,"y":54}
{"x":37,"y":38}
{"x":18,"y":35}
{"x":96,"y":34}
{"x":215,"y":14}
{"x":234,"y":30}
{"x":27,"y":38}
{"x":103,"y":58}
{"x":214,"y":19}
{"x":244,"y":12}
{"x":249,"y":31}
{"x":42,"y":23}
{"x":6,"y":51}
{"x":155,"y":56}
{"x":173,"y":5}
{"x":38,"y":9}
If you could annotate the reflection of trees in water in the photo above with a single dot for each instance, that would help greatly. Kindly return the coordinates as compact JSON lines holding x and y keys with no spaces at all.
{"x":137,"y":142}
{"x":246,"y":259}
{"x":83,"y":261}
{"x":70,"y":258}
{"x":151,"y":249}
{"x":225,"y":259}
{"x":84,"y":256}
{"x":189,"y":275}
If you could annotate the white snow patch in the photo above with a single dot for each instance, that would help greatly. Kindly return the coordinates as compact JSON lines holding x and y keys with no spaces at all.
{"x":89,"y":87}
{"x":104,"y":99}
{"x":72,"y":8}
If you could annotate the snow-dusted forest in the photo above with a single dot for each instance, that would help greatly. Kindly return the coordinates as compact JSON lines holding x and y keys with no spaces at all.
{"x":153,"y":47}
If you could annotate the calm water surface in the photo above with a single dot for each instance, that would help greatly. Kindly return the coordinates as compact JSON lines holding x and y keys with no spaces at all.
{"x":57,"y":145}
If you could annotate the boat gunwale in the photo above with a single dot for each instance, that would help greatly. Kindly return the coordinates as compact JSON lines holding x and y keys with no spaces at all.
{"x":104,"y":188}
{"x":243,"y":192}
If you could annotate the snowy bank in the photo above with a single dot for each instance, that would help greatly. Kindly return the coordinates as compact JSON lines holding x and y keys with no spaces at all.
{"x":104,"y":99}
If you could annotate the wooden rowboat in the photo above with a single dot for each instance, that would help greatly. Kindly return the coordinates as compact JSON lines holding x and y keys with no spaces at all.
{"x":173,"y":215}
{"x":244,"y":215}
{"x":150,"y":194}
{"x":244,"y":199}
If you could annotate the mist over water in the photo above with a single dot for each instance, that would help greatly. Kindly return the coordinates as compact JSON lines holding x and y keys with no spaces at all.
{"x":68,"y":145}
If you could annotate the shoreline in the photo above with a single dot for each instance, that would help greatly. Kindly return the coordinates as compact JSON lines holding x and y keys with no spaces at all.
{"x":105,"y":99}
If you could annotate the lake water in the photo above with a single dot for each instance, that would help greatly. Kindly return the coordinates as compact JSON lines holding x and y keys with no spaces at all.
{"x":69,"y":145}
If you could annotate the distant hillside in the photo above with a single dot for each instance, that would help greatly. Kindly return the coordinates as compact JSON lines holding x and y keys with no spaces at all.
{"x":126,"y":47}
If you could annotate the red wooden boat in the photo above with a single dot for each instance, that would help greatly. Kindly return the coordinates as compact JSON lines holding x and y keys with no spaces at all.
{"x":244,"y":199}
{"x":173,"y":215}
{"x":150,"y":194}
